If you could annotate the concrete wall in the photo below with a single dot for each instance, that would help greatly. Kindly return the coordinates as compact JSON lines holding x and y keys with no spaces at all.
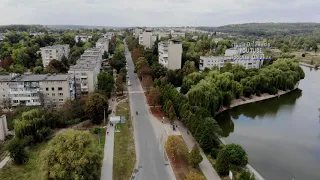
{"x":175,"y":55}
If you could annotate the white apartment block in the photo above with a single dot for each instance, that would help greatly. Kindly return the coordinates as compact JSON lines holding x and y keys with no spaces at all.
{"x":108,"y":35}
{"x":86,"y":71}
{"x":49,"y":53}
{"x":145,"y":39}
{"x":170,"y":54}
{"x":36,"y":90}
{"x":137,"y":32}
{"x":233,"y":56}
{"x":103,"y":43}
{"x":83,"y":38}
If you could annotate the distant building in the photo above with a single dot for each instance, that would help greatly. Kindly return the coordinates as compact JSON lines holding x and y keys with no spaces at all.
{"x":86,"y":71}
{"x":83,"y":38}
{"x":109,"y":35}
{"x":2,"y":37}
{"x":49,"y":53}
{"x":137,"y":32}
{"x":145,"y":38}
{"x":103,"y":43}
{"x":170,"y":54}
{"x":36,"y":89}
{"x":3,"y":127}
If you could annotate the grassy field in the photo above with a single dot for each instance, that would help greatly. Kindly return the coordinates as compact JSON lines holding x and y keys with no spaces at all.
{"x":29,"y":171}
{"x":309,"y":56}
{"x":124,"y":150}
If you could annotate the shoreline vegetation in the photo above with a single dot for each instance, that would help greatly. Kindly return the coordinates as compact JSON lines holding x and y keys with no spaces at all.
{"x":307,"y":65}
{"x":254,"y":98}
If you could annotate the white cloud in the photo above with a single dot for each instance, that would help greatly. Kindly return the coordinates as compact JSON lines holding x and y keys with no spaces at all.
{"x":156,"y":12}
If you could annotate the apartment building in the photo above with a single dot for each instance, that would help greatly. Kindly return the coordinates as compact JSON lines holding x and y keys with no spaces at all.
{"x":137,"y":32}
{"x":145,"y":38}
{"x":83,"y":38}
{"x":103,"y":43}
{"x":86,"y":71}
{"x":108,"y":35}
{"x":37,"y":89}
{"x":170,"y":54}
{"x":49,"y":53}
{"x":233,"y":56}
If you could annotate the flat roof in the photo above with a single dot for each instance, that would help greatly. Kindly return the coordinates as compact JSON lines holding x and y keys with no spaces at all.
{"x":4,"y":78}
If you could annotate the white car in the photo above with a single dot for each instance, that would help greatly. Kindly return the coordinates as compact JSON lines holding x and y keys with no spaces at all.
{"x":129,"y":83}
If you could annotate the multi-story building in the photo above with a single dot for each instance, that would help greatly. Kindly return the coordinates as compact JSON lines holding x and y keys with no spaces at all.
{"x":145,"y":38}
{"x":49,"y":53}
{"x":108,"y":35}
{"x":86,"y":71}
{"x":83,"y":38}
{"x":137,"y":32}
{"x":170,"y":54}
{"x":233,"y":56}
{"x":103,"y":43}
{"x":36,"y":90}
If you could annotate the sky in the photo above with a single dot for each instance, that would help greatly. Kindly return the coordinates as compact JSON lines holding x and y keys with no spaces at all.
{"x":124,"y":13}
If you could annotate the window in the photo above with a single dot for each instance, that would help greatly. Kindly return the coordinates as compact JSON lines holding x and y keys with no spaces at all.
{"x":54,"y":100}
{"x":47,"y":94}
{"x":60,"y":100}
{"x":59,"y":88}
{"x":60,"y":94}
{"x":52,"y":88}
{"x":4,"y":95}
{"x":15,"y":101}
{"x":47,"y":89}
{"x":53,"y":94}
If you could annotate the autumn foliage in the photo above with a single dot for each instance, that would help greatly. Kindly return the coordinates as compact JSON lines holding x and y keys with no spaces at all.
{"x":175,"y":147}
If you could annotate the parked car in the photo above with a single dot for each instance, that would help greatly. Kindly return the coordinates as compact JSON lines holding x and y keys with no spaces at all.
{"x":129,"y":83}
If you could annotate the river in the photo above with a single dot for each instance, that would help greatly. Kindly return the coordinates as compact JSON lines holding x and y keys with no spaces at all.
{"x":282,"y":135}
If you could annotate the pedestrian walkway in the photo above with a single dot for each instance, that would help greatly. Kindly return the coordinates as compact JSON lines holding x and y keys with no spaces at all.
{"x":205,"y":165}
{"x":4,"y":162}
{"x":107,"y":165}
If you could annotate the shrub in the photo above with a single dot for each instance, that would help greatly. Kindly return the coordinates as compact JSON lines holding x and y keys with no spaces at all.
{"x":222,"y":163}
{"x":214,"y":153}
{"x":238,"y":155}
{"x":246,"y":175}
{"x":195,"y":176}
{"x":195,"y":157}
{"x":17,"y":151}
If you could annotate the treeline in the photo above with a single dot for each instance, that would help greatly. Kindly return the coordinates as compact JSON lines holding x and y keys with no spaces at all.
{"x":19,"y":51}
{"x":23,"y":28}
{"x":214,"y":89}
{"x":265,"y":29}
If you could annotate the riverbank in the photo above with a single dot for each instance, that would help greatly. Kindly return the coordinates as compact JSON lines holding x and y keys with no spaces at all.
{"x":307,"y":65}
{"x":254,"y":98}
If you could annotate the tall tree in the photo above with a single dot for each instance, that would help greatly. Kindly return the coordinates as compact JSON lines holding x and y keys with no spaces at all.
{"x":222,"y":163}
{"x":105,"y":83}
{"x":188,"y":68}
{"x":94,"y":107}
{"x":154,"y":97}
{"x":147,"y":83}
{"x":72,"y":155}
{"x":56,"y":66}
{"x":175,"y":147}
{"x":119,"y":84}
{"x":195,"y":176}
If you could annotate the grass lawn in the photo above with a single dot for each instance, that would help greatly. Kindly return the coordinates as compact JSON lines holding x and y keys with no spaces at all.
{"x":181,"y":167}
{"x":309,"y":56}
{"x":124,"y":150}
{"x":30,"y":170}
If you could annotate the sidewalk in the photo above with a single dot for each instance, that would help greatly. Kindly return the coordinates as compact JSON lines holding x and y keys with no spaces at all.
{"x":4,"y":162}
{"x":107,"y":164}
{"x":205,"y":165}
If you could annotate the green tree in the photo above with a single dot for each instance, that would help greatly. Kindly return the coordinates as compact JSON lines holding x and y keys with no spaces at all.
{"x":222,"y":163}
{"x":72,"y":155}
{"x":65,"y":61}
{"x":208,"y":133}
{"x":17,"y":68}
{"x":16,"y":148}
{"x":246,"y":175}
{"x":37,"y":70}
{"x":94,"y":107}
{"x":188,"y":68}
{"x":105,"y":83}
{"x":154,"y":97}
{"x":56,"y":66}
{"x":195,"y":157}
{"x":237,"y":154}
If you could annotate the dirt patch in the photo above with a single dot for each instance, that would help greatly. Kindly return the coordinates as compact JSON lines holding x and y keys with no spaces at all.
{"x":157,"y":112}
{"x":181,"y":168}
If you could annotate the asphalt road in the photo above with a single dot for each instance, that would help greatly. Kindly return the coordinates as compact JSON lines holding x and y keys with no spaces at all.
{"x":150,"y":155}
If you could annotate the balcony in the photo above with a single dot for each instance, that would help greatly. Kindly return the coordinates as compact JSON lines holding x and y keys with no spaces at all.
{"x":84,"y":90}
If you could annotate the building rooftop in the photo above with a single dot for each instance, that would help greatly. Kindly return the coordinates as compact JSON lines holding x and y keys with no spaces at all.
{"x":57,"y":77}
{"x":102,"y":40}
{"x":4,"y":78}
{"x":55,"y":46}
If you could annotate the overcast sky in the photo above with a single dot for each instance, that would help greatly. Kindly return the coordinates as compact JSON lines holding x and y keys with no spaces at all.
{"x":156,"y":12}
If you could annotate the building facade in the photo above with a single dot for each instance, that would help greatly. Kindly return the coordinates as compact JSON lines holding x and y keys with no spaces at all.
{"x":170,"y":54}
{"x":83,"y":38}
{"x":49,"y":53}
{"x":86,"y":71}
{"x":103,"y":43}
{"x":37,"y":89}
{"x":137,"y":32}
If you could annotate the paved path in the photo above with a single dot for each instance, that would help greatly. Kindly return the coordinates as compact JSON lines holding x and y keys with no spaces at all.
{"x":107,"y":164}
{"x":4,"y":162}
{"x":205,"y":165}
{"x":151,"y":164}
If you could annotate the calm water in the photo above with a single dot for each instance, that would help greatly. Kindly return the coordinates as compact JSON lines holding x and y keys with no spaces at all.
{"x":281,"y":135}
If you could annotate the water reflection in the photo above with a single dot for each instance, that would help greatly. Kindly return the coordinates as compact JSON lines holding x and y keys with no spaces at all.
{"x":260,"y":109}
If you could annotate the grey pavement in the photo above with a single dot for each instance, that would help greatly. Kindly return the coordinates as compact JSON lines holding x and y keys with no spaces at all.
{"x":205,"y":165}
{"x":149,"y":148}
{"x":107,"y":166}
{"x":4,"y":162}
